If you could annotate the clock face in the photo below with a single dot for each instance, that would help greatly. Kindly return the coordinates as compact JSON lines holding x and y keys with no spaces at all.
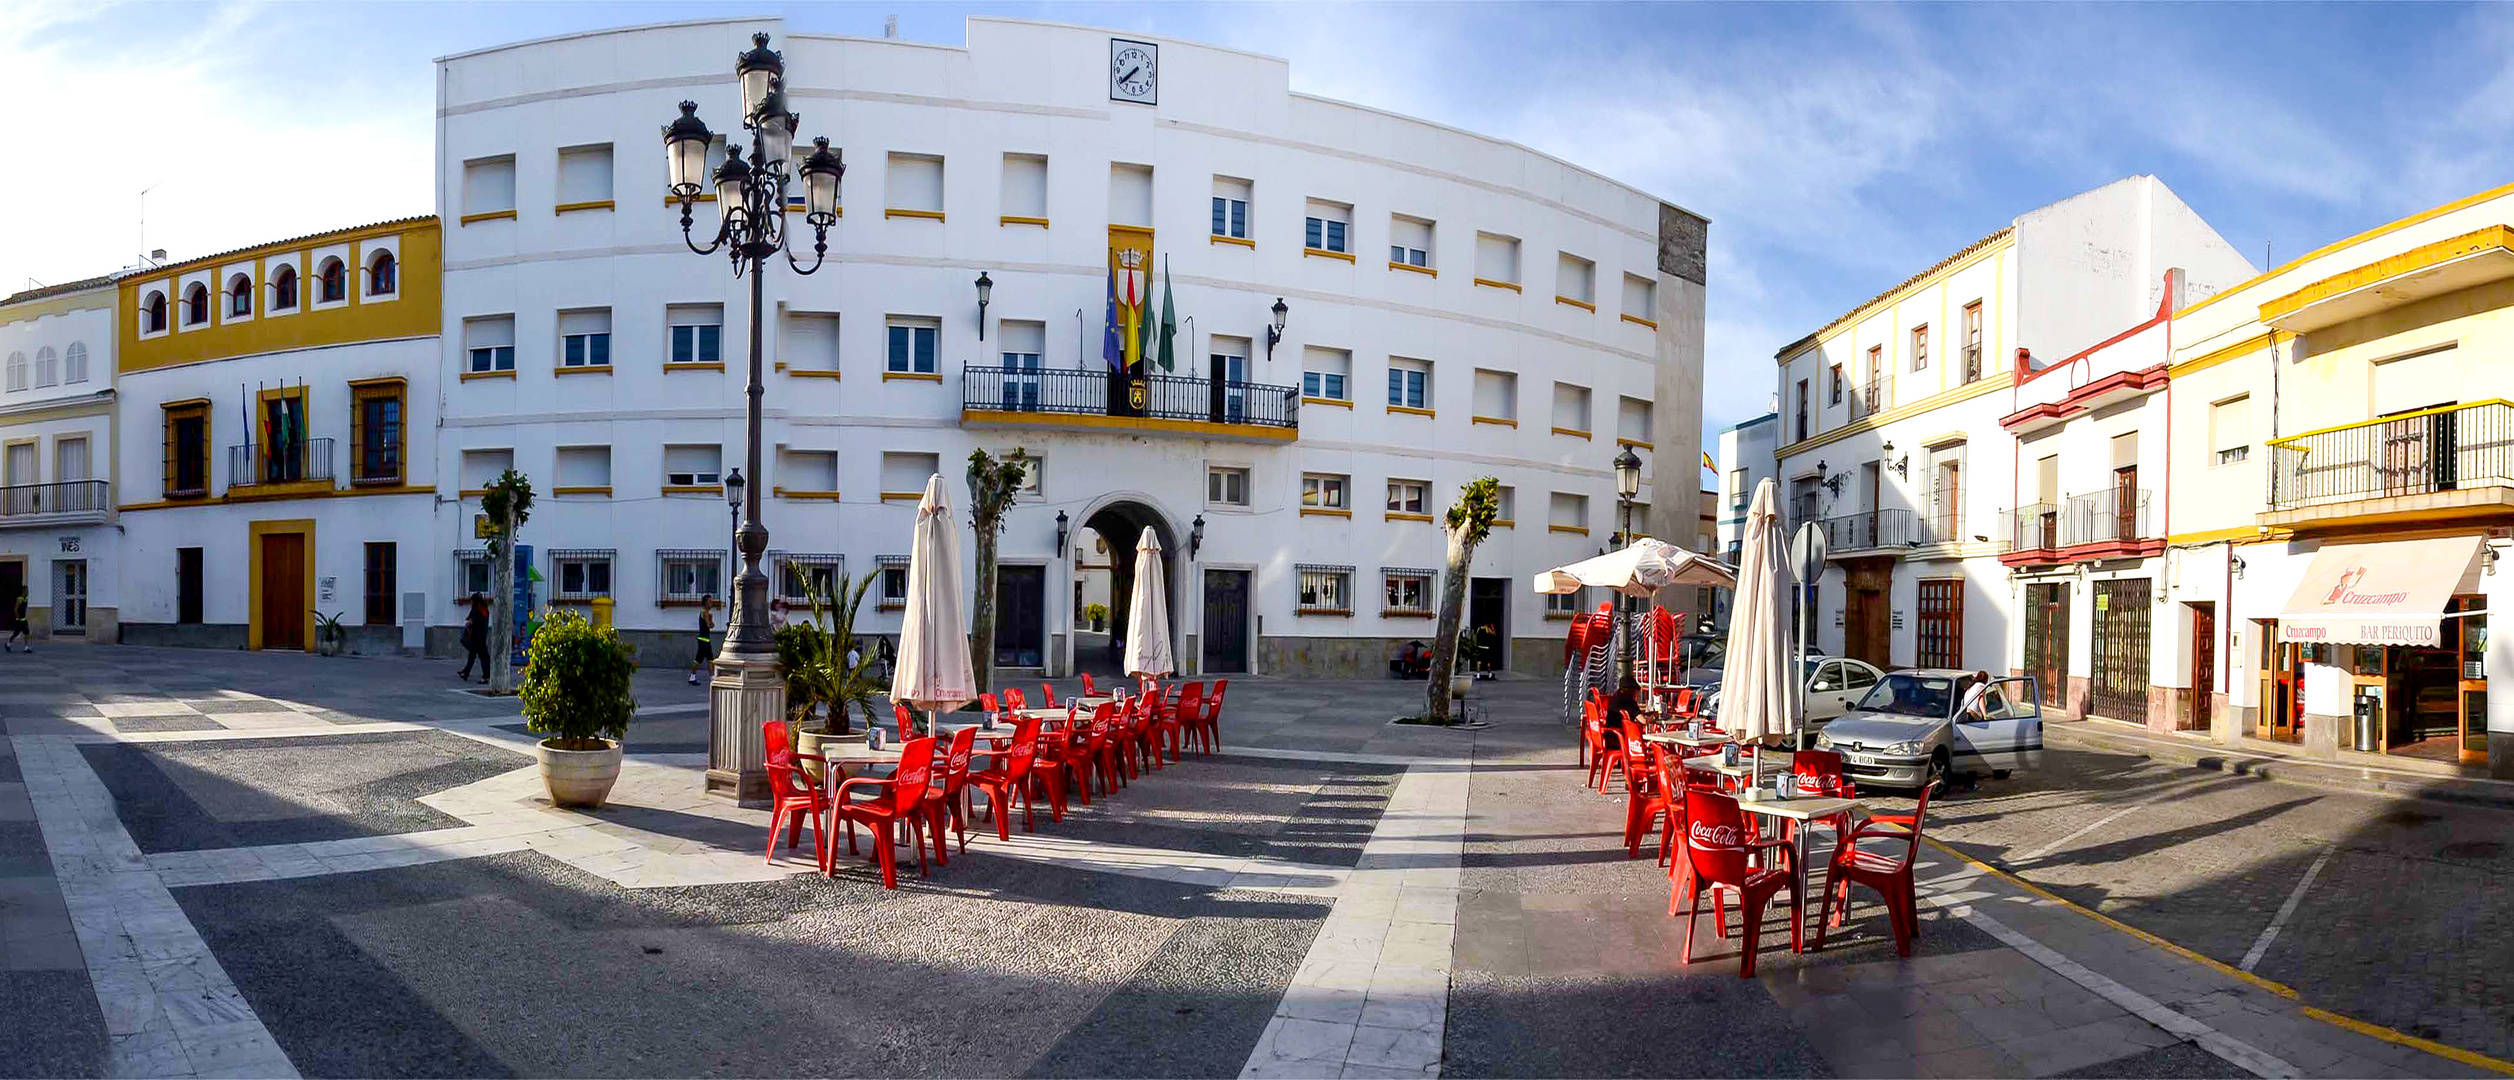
{"x":1132,"y":70}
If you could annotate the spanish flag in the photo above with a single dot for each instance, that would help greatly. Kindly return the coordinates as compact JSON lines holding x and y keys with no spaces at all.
{"x":1707,"y":463}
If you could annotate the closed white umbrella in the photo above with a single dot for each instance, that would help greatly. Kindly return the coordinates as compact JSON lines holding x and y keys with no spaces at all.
{"x":1147,"y":615}
{"x":1755,"y":686}
{"x":1639,"y":570}
{"x":933,"y":668}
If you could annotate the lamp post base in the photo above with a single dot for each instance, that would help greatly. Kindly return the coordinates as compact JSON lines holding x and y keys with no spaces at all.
{"x":745,"y":694}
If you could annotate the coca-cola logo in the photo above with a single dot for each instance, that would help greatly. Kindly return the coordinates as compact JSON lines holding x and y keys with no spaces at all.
{"x":1705,"y":834}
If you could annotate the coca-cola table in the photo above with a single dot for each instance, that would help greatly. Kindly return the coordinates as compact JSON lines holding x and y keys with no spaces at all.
{"x":1802,"y":809}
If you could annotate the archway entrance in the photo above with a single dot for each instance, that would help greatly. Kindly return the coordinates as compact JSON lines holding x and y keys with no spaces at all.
{"x":1118,"y":526}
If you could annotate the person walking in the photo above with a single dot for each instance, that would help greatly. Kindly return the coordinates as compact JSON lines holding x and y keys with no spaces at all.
{"x":706,"y":632}
{"x":476,"y":638}
{"x":17,"y":624}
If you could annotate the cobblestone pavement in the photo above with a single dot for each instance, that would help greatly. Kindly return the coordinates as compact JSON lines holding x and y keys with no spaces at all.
{"x":2407,"y":921}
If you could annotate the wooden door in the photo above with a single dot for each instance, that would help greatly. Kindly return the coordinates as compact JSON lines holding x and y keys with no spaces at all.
{"x":1225,"y":642}
{"x":2047,"y":642}
{"x":1021,"y":616}
{"x":1941,"y":604}
{"x":2203,"y":667}
{"x":283,"y":591}
{"x":2125,"y":503}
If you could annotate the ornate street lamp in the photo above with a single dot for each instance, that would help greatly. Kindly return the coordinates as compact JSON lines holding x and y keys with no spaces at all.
{"x":986,"y":295}
{"x":1274,"y":330}
{"x":1627,"y":485}
{"x":750,"y":230}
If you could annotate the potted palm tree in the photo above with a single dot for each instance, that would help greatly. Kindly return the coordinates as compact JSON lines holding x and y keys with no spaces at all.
{"x":829,"y":676}
{"x":576,"y":696}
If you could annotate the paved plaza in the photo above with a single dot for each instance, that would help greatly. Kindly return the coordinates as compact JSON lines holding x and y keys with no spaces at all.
{"x":254,"y":864}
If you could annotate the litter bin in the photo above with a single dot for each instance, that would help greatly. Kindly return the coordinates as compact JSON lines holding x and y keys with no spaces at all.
{"x":2369,"y":721}
{"x":602,"y":612}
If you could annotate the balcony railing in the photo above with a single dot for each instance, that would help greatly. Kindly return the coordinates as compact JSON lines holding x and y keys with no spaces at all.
{"x":2448,"y":449}
{"x":55,"y":500}
{"x":303,"y":461}
{"x":1087,"y":392}
{"x":2106,"y":517}
{"x":1868,"y":530}
{"x":1872,"y":397}
{"x":2098,"y":525}
{"x":2033,"y":527}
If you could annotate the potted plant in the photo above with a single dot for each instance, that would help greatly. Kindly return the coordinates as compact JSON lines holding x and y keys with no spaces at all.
{"x":576,"y":695}
{"x":828,"y":672}
{"x":329,"y":635}
{"x":1098,"y":613}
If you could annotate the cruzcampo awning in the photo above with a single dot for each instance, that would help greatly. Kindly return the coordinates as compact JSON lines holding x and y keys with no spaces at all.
{"x":2389,"y":593}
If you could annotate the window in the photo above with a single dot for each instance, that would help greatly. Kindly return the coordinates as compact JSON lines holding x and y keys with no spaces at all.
{"x":1569,"y":513}
{"x":580,"y":574}
{"x":687,"y":576}
{"x":1497,"y":260}
{"x":1571,"y":409}
{"x":1920,"y":347}
{"x":153,"y":313}
{"x":585,"y":338}
{"x":1021,"y":348}
{"x":1632,"y":421}
{"x":1407,"y":591}
{"x":1230,"y":207}
{"x":489,"y":341}
{"x":1834,"y":395}
{"x":1946,"y":493}
{"x":489,"y":186}
{"x":1226,"y":485}
{"x":1325,"y":590}
{"x":916,"y":186}
{"x":47,"y":367}
{"x":894,"y":587}
{"x":1409,"y":241}
{"x":74,"y":364}
{"x":803,"y":576}
{"x":284,"y":289}
{"x":383,"y":274}
{"x":1406,"y":496}
{"x":1876,"y":365}
{"x":239,"y":296}
{"x":1328,"y":227}
{"x":807,"y":472}
{"x":1496,"y":395}
{"x":1738,"y":496}
{"x":375,"y":422}
{"x":1941,"y":605}
{"x":1130,"y":194}
{"x":697,"y":332}
{"x":196,"y":304}
{"x":187,"y":449}
{"x":383,"y":580}
{"x":810,"y":342}
{"x":1575,"y":279}
{"x":583,"y":470}
{"x":584,"y":175}
{"x":912,"y":345}
{"x":331,"y":282}
{"x":2230,"y":429}
{"x":1641,"y":297}
{"x":693,"y":466}
{"x":1323,"y":372}
{"x":188,"y":586}
{"x":904,"y":475}
{"x":1802,"y":408}
{"x":1323,"y":491}
{"x":1409,"y":383}
{"x":1973,"y":341}
{"x":1025,"y":189}
{"x":481,"y":468}
{"x":17,"y":371}
{"x":1564,"y":605}
{"x":471,"y":573}
{"x":1505,"y":505}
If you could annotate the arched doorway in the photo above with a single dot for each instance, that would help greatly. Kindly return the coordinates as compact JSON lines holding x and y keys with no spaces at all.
{"x":1119,"y":524}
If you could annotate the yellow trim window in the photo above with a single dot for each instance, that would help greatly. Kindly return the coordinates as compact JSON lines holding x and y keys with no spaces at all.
{"x":1325,"y":491}
{"x":376,"y":435}
{"x":1409,"y":383}
{"x":1408,"y":497}
{"x":1329,"y":228}
{"x":187,"y":449}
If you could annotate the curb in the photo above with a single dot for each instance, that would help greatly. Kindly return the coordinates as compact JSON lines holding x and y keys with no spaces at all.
{"x":2330,"y":775}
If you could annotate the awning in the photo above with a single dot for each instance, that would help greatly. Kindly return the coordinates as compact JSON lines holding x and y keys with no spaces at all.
{"x":2389,"y":593}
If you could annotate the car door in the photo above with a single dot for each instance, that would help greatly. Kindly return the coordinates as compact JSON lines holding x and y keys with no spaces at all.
{"x":1825,"y":698}
{"x":1856,"y":677}
{"x":2006,"y":731}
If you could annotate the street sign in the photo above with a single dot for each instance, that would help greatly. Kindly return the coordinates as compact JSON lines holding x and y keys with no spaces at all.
{"x":1807,"y":551}
{"x":480,"y":528}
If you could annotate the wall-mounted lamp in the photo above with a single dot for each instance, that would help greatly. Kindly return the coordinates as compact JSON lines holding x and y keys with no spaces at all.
{"x":1903,"y":467}
{"x":1274,"y":331}
{"x":2488,"y":558}
{"x":986,"y":295}
{"x":1980,"y":539}
{"x":1061,"y":533}
{"x":2238,"y":561}
{"x":1195,"y":536}
{"x":1833,"y":484}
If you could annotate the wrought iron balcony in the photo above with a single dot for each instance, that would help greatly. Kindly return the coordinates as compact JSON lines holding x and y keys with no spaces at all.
{"x":305,"y":461}
{"x":1868,"y":530}
{"x":1872,"y":397}
{"x":2435,"y":459}
{"x":1092,"y":398}
{"x":2103,"y":525}
{"x":63,"y":502}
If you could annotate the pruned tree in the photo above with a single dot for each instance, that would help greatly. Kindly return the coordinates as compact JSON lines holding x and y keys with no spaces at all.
{"x":993,"y":485}
{"x":1468,"y":522}
{"x":508,"y":504}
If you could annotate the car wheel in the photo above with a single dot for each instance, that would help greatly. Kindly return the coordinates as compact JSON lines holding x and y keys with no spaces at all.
{"x":1941,"y":770}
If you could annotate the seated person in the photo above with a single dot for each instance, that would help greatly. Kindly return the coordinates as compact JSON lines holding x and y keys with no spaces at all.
{"x":1625,"y":703}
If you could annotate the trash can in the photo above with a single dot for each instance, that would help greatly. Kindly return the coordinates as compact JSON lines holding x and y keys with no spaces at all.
{"x":602,"y":612}
{"x":2369,"y":722}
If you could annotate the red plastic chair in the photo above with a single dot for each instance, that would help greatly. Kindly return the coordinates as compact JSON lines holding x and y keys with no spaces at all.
{"x":1047,"y":695}
{"x":950,"y":787}
{"x":1889,"y":874}
{"x":1623,"y":750}
{"x":1080,"y":760}
{"x":1088,"y":690}
{"x":901,"y":805}
{"x":1013,"y":699}
{"x":907,"y":722}
{"x":1009,"y":778}
{"x":1649,"y":805}
{"x":796,"y":797}
{"x":1820,"y":772}
{"x":1716,"y":843}
{"x":986,"y":703}
{"x":1209,"y":724}
{"x":1170,"y":729}
{"x":1594,"y":742}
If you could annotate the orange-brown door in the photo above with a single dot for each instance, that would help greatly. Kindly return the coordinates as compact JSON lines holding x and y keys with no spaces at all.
{"x":283,"y":591}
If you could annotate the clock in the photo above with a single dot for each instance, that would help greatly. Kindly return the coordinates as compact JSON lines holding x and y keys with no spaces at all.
{"x":1133,"y":68}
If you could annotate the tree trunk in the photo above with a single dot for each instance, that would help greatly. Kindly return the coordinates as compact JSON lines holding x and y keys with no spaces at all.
{"x":982,"y":611}
{"x":1453,"y":589}
{"x":502,"y":612}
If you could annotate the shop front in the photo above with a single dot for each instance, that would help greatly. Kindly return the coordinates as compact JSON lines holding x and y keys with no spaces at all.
{"x":2382,"y":649}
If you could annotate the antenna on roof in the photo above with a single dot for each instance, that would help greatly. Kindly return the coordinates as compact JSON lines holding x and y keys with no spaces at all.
{"x":2265,"y":253}
{"x":156,"y":255}
{"x":890,"y":26}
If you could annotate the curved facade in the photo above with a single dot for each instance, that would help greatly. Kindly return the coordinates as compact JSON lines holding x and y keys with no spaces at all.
{"x":1454,"y":306}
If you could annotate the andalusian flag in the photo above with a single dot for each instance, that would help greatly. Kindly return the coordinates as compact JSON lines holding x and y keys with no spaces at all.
{"x":1169,"y":321}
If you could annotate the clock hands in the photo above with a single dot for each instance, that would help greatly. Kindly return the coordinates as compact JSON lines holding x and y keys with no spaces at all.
{"x":1130,"y":74}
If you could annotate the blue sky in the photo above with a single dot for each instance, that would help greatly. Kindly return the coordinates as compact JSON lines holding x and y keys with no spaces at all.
{"x":1836,"y":149}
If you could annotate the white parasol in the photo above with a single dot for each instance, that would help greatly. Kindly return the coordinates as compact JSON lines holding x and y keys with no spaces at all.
{"x":1755,"y":685}
{"x":1639,"y":570}
{"x":1147,"y":613}
{"x":933,"y":667}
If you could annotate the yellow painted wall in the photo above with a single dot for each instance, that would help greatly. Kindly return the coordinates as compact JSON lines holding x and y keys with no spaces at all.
{"x":2331,"y":381}
{"x":415,"y":312}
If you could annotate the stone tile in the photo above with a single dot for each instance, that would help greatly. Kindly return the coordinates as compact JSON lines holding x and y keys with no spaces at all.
{"x":1321,"y":1003}
{"x":1395,"y":1048}
{"x":1289,"y":1039}
{"x":1417,"y":1012}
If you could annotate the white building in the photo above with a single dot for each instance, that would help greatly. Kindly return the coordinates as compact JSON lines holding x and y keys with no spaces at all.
{"x":1529,"y":315}
{"x":1890,"y":414}
{"x":1746,"y":457}
{"x":57,"y":540}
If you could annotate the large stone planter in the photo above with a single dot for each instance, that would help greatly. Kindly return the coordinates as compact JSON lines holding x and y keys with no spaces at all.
{"x":579,"y":777}
{"x":809,"y":742}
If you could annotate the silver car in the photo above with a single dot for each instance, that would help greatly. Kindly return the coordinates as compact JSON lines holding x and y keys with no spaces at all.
{"x":1911,"y":729}
{"x":1833,"y":683}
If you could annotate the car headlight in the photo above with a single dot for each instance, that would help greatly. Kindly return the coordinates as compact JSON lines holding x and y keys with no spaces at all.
{"x":1904,"y":749}
{"x":1824,"y":741}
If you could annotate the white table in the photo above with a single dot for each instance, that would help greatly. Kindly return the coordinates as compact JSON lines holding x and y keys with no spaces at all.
{"x":1679,"y":738}
{"x":1801,"y":810}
